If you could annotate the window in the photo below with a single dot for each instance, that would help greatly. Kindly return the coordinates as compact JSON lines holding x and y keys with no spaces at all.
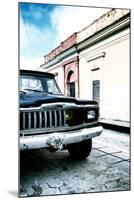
{"x":72,"y":89}
{"x":31,"y":83}
{"x":35,"y":83}
{"x":96,"y":90}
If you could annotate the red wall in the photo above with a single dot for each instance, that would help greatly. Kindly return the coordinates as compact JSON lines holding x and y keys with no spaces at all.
{"x":66,"y":44}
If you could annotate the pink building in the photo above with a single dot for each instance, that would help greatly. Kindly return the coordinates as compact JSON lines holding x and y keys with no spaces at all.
{"x":63,"y":61}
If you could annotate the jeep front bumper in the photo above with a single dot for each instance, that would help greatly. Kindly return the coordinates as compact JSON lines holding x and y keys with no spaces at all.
{"x":58,"y":140}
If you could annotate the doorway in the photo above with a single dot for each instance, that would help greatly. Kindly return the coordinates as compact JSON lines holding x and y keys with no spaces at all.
{"x":71,"y":84}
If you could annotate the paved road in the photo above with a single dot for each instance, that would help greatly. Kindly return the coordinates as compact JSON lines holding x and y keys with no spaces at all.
{"x":106,"y":169}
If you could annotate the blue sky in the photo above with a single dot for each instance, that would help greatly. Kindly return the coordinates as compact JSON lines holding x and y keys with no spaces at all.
{"x":45,"y":26}
{"x":37,"y":14}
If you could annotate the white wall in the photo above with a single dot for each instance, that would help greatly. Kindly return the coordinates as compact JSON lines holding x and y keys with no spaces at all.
{"x":113,"y":74}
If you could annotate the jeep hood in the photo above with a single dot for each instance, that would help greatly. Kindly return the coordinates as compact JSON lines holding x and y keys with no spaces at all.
{"x":36,"y":99}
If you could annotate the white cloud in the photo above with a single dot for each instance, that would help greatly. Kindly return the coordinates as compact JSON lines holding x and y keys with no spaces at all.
{"x":34,"y":43}
{"x":65,"y":20}
{"x":28,"y":63}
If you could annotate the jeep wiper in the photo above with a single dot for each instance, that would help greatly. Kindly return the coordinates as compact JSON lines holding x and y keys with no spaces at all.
{"x":34,"y":90}
{"x":22,"y":92}
{"x":53,"y":93}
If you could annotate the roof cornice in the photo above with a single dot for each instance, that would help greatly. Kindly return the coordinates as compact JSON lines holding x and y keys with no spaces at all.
{"x":60,"y":57}
{"x":114,"y":28}
{"x":106,"y":32}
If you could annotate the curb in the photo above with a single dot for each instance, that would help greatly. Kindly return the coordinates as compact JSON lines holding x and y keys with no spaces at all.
{"x":115,"y":126}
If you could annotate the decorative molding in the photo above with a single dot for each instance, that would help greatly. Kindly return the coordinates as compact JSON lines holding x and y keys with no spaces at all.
{"x":60,"y":57}
{"x":105,"y":44}
{"x":97,"y":56}
{"x":112,"y":29}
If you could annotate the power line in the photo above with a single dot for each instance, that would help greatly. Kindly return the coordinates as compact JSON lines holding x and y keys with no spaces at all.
{"x":27,"y":33}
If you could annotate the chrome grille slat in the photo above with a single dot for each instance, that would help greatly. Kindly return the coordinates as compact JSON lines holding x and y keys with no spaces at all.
{"x":60,"y":119}
{"x":43,"y":119}
{"x":50,"y":118}
{"x":40,"y":119}
{"x":24,"y":121}
{"x":35,"y":120}
{"x":29,"y":120}
{"x":64,"y":120}
{"x":55,"y":118}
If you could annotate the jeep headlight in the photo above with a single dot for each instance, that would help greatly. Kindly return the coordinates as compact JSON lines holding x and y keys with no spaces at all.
{"x":91,"y":114}
{"x":68,"y":115}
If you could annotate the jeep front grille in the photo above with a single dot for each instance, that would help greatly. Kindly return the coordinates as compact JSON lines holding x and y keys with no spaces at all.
{"x":42,"y":119}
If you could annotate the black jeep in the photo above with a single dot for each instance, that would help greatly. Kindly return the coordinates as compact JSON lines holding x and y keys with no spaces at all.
{"x":52,"y":121}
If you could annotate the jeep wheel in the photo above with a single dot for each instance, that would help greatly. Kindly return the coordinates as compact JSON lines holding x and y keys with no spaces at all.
{"x":81,"y":150}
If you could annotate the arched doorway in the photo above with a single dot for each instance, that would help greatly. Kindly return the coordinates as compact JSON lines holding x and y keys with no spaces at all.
{"x":71,"y":83}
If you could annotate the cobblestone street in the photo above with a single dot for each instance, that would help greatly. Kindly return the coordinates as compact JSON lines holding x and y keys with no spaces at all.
{"x":106,"y":169}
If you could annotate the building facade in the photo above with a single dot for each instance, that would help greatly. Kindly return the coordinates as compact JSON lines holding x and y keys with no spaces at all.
{"x":95,"y":64}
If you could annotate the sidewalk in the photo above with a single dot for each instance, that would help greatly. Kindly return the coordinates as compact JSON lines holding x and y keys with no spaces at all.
{"x":115,"y":125}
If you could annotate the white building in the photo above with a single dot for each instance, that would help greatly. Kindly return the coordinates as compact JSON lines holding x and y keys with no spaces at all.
{"x":104,"y":65}
{"x":99,"y":61}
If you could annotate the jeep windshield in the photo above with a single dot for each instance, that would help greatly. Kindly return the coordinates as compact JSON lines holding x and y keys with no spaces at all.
{"x":35,"y":83}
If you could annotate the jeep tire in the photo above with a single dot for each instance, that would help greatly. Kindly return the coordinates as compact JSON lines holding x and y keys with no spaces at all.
{"x":81,"y":150}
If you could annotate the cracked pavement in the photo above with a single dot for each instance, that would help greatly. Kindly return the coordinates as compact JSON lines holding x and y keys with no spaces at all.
{"x":106,"y":169}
